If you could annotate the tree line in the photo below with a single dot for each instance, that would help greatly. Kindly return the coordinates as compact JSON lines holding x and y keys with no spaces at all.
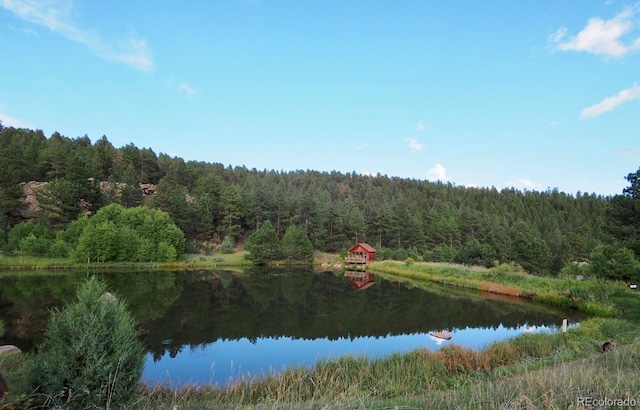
{"x":542,"y":231}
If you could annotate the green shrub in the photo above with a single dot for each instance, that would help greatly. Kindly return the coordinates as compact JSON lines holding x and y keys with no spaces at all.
{"x":90,"y":355}
{"x":60,"y":249}
{"x":227,"y":245}
{"x":597,"y":309}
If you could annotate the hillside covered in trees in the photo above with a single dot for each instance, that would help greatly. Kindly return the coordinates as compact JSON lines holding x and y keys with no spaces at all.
{"x":208,"y":202}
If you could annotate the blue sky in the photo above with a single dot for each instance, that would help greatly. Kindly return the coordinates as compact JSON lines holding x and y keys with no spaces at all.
{"x":525,"y":94}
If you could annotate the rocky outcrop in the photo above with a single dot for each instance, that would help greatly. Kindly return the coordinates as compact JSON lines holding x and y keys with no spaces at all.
{"x":32,"y":207}
{"x":148,"y":189}
{"x":30,"y":200}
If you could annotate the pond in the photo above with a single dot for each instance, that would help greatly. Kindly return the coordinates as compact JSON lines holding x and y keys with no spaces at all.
{"x":214,"y":327}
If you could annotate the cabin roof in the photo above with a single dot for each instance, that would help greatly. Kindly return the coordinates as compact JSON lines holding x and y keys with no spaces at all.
{"x":365,"y":246}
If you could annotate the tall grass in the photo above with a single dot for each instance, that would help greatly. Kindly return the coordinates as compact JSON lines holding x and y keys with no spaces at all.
{"x":500,"y":289}
{"x":530,"y":371}
{"x":563,"y":385}
{"x":592,"y":296}
{"x":189,"y":261}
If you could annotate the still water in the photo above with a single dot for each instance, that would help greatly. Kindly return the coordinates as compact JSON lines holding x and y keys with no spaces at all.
{"x":213,"y":327}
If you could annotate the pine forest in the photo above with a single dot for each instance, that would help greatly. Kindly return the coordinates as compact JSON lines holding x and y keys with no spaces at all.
{"x":72,"y":179}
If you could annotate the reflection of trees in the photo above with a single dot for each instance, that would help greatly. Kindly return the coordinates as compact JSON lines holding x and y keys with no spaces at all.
{"x":195,"y":308}
{"x":309,"y":306}
{"x":31,"y":288}
{"x":25,"y":300}
{"x":148,"y":294}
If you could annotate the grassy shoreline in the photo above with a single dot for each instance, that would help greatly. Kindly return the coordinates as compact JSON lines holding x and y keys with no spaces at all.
{"x":545,"y":370}
{"x":187,"y":262}
{"x":591,"y":295}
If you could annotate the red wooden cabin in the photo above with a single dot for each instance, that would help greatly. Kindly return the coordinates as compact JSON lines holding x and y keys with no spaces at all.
{"x":361,"y":253}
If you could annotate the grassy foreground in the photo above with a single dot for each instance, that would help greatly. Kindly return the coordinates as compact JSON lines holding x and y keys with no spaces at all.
{"x":532,"y":371}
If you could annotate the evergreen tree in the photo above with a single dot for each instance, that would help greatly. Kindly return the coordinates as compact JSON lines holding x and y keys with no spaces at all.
{"x":227,"y":245}
{"x":11,"y":163}
{"x":90,"y":356}
{"x":232,"y":209}
{"x":130,"y":194}
{"x":614,"y":262}
{"x":263,"y":245}
{"x":530,"y":251}
{"x":173,"y":200}
{"x":55,"y":155}
{"x":296,"y":245}
{"x":150,"y":172}
{"x":103,"y":159}
{"x":624,"y":213}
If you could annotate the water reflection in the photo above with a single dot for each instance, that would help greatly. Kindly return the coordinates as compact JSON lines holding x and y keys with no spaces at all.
{"x":283,"y":319}
{"x":227,"y":360}
{"x":213,"y":326}
{"x":360,"y":280}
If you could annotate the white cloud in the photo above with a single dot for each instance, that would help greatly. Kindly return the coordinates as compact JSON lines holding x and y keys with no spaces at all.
{"x":29,"y":32}
{"x":414,"y":145}
{"x":134,"y":53}
{"x":188,"y":91}
{"x":601,"y":37}
{"x":56,"y":15}
{"x":524,"y":183}
{"x":421,"y":126}
{"x":527,"y":183}
{"x":9,"y":121}
{"x":437,"y":173}
{"x":628,"y":152}
{"x":611,"y":103}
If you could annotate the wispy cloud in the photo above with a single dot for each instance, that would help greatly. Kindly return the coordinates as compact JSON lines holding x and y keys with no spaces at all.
{"x":187,"y":90}
{"x":9,"y":121}
{"x":524,"y":183}
{"x":56,"y":15}
{"x":437,"y":173}
{"x":421,"y":126}
{"x":414,"y":145}
{"x":628,"y":152}
{"x":601,"y":37}
{"x":611,"y":103}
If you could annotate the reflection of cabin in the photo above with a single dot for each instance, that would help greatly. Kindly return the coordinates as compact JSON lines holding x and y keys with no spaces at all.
{"x":362,"y":253}
{"x":361,"y":280}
